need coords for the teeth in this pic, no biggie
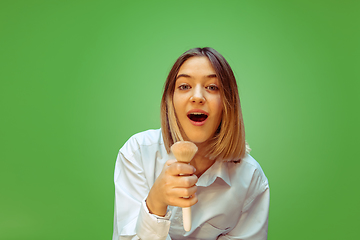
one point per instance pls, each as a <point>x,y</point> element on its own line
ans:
<point>195,113</point>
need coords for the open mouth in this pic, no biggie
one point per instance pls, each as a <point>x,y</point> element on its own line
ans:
<point>197,117</point>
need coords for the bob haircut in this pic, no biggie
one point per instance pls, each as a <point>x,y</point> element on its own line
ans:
<point>228,142</point>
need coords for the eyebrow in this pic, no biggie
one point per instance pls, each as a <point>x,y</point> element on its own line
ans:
<point>188,76</point>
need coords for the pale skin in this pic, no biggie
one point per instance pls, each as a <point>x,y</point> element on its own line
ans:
<point>196,89</point>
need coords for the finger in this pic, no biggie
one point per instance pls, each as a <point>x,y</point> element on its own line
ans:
<point>169,162</point>
<point>185,181</point>
<point>189,192</point>
<point>186,202</point>
<point>180,169</point>
<point>184,192</point>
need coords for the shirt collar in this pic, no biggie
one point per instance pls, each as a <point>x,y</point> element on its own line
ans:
<point>218,170</point>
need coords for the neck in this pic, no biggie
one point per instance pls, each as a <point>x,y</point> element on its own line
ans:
<point>200,162</point>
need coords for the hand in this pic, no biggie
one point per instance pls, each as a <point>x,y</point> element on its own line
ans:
<point>172,189</point>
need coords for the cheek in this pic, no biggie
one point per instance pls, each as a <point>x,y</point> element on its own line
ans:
<point>219,112</point>
<point>177,103</point>
<point>219,106</point>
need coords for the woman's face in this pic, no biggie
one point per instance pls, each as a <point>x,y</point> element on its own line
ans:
<point>197,101</point>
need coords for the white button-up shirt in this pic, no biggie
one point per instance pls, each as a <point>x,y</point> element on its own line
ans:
<point>233,197</point>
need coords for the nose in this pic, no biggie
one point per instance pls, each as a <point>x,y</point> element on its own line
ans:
<point>197,96</point>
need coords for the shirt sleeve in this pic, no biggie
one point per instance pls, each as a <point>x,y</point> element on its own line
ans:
<point>253,223</point>
<point>132,219</point>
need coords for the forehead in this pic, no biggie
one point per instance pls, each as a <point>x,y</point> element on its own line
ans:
<point>198,65</point>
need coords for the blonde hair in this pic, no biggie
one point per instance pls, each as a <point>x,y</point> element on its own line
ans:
<point>228,142</point>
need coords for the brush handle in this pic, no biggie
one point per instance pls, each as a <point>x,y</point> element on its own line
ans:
<point>187,218</point>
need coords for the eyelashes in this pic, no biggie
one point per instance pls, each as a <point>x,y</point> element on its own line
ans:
<point>185,86</point>
<point>212,87</point>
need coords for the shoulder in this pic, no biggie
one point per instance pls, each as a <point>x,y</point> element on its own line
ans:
<point>250,161</point>
<point>257,172</point>
<point>146,139</point>
<point>249,174</point>
<point>247,166</point>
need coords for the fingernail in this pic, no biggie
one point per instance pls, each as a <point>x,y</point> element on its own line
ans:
<point>194,169</point>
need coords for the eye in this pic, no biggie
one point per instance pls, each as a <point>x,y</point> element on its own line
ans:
<point>184,86</point>
<point>212,87</point>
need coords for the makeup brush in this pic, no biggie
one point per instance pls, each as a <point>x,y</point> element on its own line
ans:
<point>184,151</point>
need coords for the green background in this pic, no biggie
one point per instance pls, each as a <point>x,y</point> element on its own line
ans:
<point>78,78</point>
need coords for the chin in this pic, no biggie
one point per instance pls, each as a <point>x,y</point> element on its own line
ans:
<point>197,138</point>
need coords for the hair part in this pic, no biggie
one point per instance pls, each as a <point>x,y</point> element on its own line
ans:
<point>228,142</point>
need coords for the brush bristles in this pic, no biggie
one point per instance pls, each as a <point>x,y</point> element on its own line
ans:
<point>184,151</point>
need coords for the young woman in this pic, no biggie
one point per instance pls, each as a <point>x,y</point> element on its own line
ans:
<point>225,187</point>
